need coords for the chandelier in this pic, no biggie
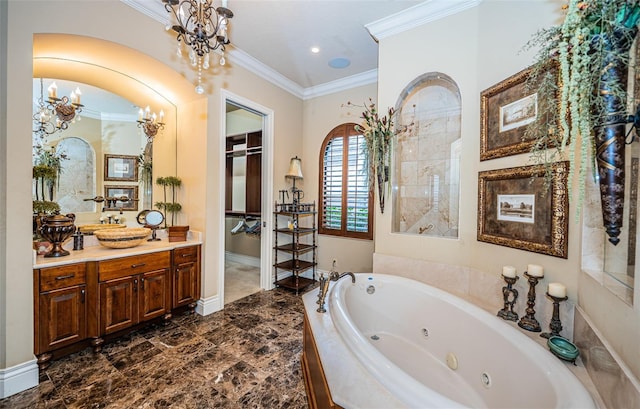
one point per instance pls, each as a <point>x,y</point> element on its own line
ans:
<point>55,113</point>
<point>150,122</point>
<point>202,27</point>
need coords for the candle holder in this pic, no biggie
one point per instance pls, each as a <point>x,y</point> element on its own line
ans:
<point>510,296</point>
<point>555,324</point>
<point>529,321</point>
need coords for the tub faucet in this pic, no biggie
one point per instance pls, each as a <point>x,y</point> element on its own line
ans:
<point>324,285</point>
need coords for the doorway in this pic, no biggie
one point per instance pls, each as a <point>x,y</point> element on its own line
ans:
<point>247,149</point>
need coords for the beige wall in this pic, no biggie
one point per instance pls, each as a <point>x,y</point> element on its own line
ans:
<point>4,232</point>
<point>199,119</point>
<point>321,115</point>
<point>478,48</point>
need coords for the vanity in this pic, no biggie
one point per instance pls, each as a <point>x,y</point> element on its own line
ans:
<point>97,294</point>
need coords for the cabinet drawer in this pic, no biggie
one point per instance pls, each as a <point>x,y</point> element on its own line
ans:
<point>54,278</point>
<point>126,266</point>
<point>185,255</point>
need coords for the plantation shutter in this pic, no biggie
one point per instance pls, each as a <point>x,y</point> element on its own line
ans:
<point>344,185</point>
<point>332,185</point>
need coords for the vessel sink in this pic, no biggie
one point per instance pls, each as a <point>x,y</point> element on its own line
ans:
<point>122,238</point>
<point>91,228</point>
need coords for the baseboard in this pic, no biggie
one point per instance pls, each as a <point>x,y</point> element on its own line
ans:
<point>242,259</point>
<point>18,378</point>
<point>206,306</point>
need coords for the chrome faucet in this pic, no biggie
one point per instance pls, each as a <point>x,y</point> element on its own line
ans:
<point>324,285</point>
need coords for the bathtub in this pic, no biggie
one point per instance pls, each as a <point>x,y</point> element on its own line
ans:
<point>421,347</point>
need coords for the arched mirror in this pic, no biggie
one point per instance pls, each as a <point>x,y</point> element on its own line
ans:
<point>103,152</point>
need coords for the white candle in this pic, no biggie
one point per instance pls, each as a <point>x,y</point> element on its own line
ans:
<point>140,115</point>
<point>161,115</point>
<point>78,95</point>
<point>53,90</point>
<point>557,290</point>
<point>147,112</point>
<point>74,98</point>
<point>535,270</point>
<point>509,271</point>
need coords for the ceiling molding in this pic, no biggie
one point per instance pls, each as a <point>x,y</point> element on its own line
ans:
<point>357,80</point>
<point>150,9</point>
<point>430,10</point>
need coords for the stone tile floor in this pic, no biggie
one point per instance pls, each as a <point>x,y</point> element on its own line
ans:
<point>245,356</point>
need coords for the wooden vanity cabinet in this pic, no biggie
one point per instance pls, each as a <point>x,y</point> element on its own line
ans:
<point>186,276</point>
<point>60,314</point>
<point>133,290</point>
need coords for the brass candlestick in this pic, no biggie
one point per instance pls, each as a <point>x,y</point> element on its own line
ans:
<point>510,296</point>
<point>529,321</point>
<point>555,324</point>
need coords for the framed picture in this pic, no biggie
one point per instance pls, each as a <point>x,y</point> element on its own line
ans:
<point>505,111</point>
<point>131,192</point>
<point>120,168</point>
<point>519,208</point>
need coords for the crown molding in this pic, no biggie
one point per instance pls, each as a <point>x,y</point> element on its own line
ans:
<point>342,84</point>
<point>430,10</point>
<point>150,8</point>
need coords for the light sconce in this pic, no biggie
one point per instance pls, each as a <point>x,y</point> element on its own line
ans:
<point>295,173</point>
<point>150,122</point>
<point>202,27</point>
<point>55,113</point>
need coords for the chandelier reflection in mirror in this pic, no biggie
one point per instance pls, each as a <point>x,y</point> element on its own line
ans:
<point>202,27</point>
<point>150,122</point>
<point>55,113</point>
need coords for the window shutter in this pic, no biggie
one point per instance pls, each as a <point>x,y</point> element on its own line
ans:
<point>357,187</point>
<point>332,185</point>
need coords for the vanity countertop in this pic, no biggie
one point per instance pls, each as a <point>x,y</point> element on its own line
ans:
<point>93,251</point>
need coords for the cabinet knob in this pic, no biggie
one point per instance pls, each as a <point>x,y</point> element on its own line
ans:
<point>82,292</point>
<point>142,283</point>
<point>135,285</point>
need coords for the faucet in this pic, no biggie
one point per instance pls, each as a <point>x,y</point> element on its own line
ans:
<point>324,285</point>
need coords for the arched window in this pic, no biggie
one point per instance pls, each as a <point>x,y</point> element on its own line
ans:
<point>345,197</point>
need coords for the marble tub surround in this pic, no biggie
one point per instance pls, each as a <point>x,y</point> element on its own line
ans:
<point>245,356</point>
<point>613,380</point>
<point>478,287</point>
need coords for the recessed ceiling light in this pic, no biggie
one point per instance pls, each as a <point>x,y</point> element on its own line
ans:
<point>339,62</point>
<point>315,50</point>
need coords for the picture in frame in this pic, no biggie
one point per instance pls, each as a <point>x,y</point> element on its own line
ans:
<point>505,111</point>
<point>131,192</point>
<point>518,208</point>
<point>120,168</point>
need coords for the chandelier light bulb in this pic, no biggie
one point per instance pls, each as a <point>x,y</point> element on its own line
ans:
<point>199,89</point>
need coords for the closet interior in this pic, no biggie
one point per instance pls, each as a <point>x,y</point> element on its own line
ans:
<point>243,200</point>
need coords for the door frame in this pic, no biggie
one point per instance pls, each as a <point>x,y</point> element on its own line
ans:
<point>266,207</point>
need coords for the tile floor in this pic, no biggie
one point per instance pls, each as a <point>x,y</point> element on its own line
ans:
<point>240,280</point>
<point>245,356</point>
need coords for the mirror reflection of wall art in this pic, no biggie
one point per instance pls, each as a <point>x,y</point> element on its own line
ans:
<point>131,192</point>
<point>505,111</point>
<point>122,168</point>
<point>517,208</point>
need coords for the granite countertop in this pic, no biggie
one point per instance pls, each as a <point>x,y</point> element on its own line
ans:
<point>93,251</point>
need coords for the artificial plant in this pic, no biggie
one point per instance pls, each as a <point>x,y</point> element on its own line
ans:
<point>582,66</point>
<point>173,207</point>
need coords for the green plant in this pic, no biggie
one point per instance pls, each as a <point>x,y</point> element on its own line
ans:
<point>579,84</point>
<point>173,207</point>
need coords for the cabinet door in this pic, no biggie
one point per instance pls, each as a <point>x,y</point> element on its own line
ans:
<point>62,318</point>
<point>154,298</point>
<point>118,304</point>
<point>185,286</point>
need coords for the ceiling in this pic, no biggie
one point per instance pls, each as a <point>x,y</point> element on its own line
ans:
<point>276,36</point>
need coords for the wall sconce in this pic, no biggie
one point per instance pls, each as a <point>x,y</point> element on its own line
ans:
<point>295,173</point>
<point>62,110</point>
<point>150,122</point>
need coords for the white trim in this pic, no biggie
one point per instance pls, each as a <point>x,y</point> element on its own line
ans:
<point>18,378</point>
<point>242,258</point>
<point>357,80</point>
<point>420,14</point>
<point>266,208</point>
<point>206,306</point>
<point>150,9</point>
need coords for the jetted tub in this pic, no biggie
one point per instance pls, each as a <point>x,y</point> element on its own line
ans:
<point>430,349</point>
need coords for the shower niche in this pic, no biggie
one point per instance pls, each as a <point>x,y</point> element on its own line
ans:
<point>426,179</point>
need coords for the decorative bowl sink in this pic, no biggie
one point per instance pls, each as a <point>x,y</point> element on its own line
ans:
<point>122,238</point>
<point>91,228</point>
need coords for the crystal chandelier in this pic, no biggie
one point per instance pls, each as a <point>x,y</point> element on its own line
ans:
<point>55,113</point>
<point>150,122</point>
<point>202,27</point>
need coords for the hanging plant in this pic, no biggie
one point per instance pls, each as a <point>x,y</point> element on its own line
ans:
<point>378,132</point>
<point>583,109</point>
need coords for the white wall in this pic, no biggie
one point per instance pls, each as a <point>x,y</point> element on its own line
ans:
<point>478,48</point>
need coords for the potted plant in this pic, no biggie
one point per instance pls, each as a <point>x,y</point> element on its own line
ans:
<point>583,65</point>
<point>176,233</point>
<point>46,173</point>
